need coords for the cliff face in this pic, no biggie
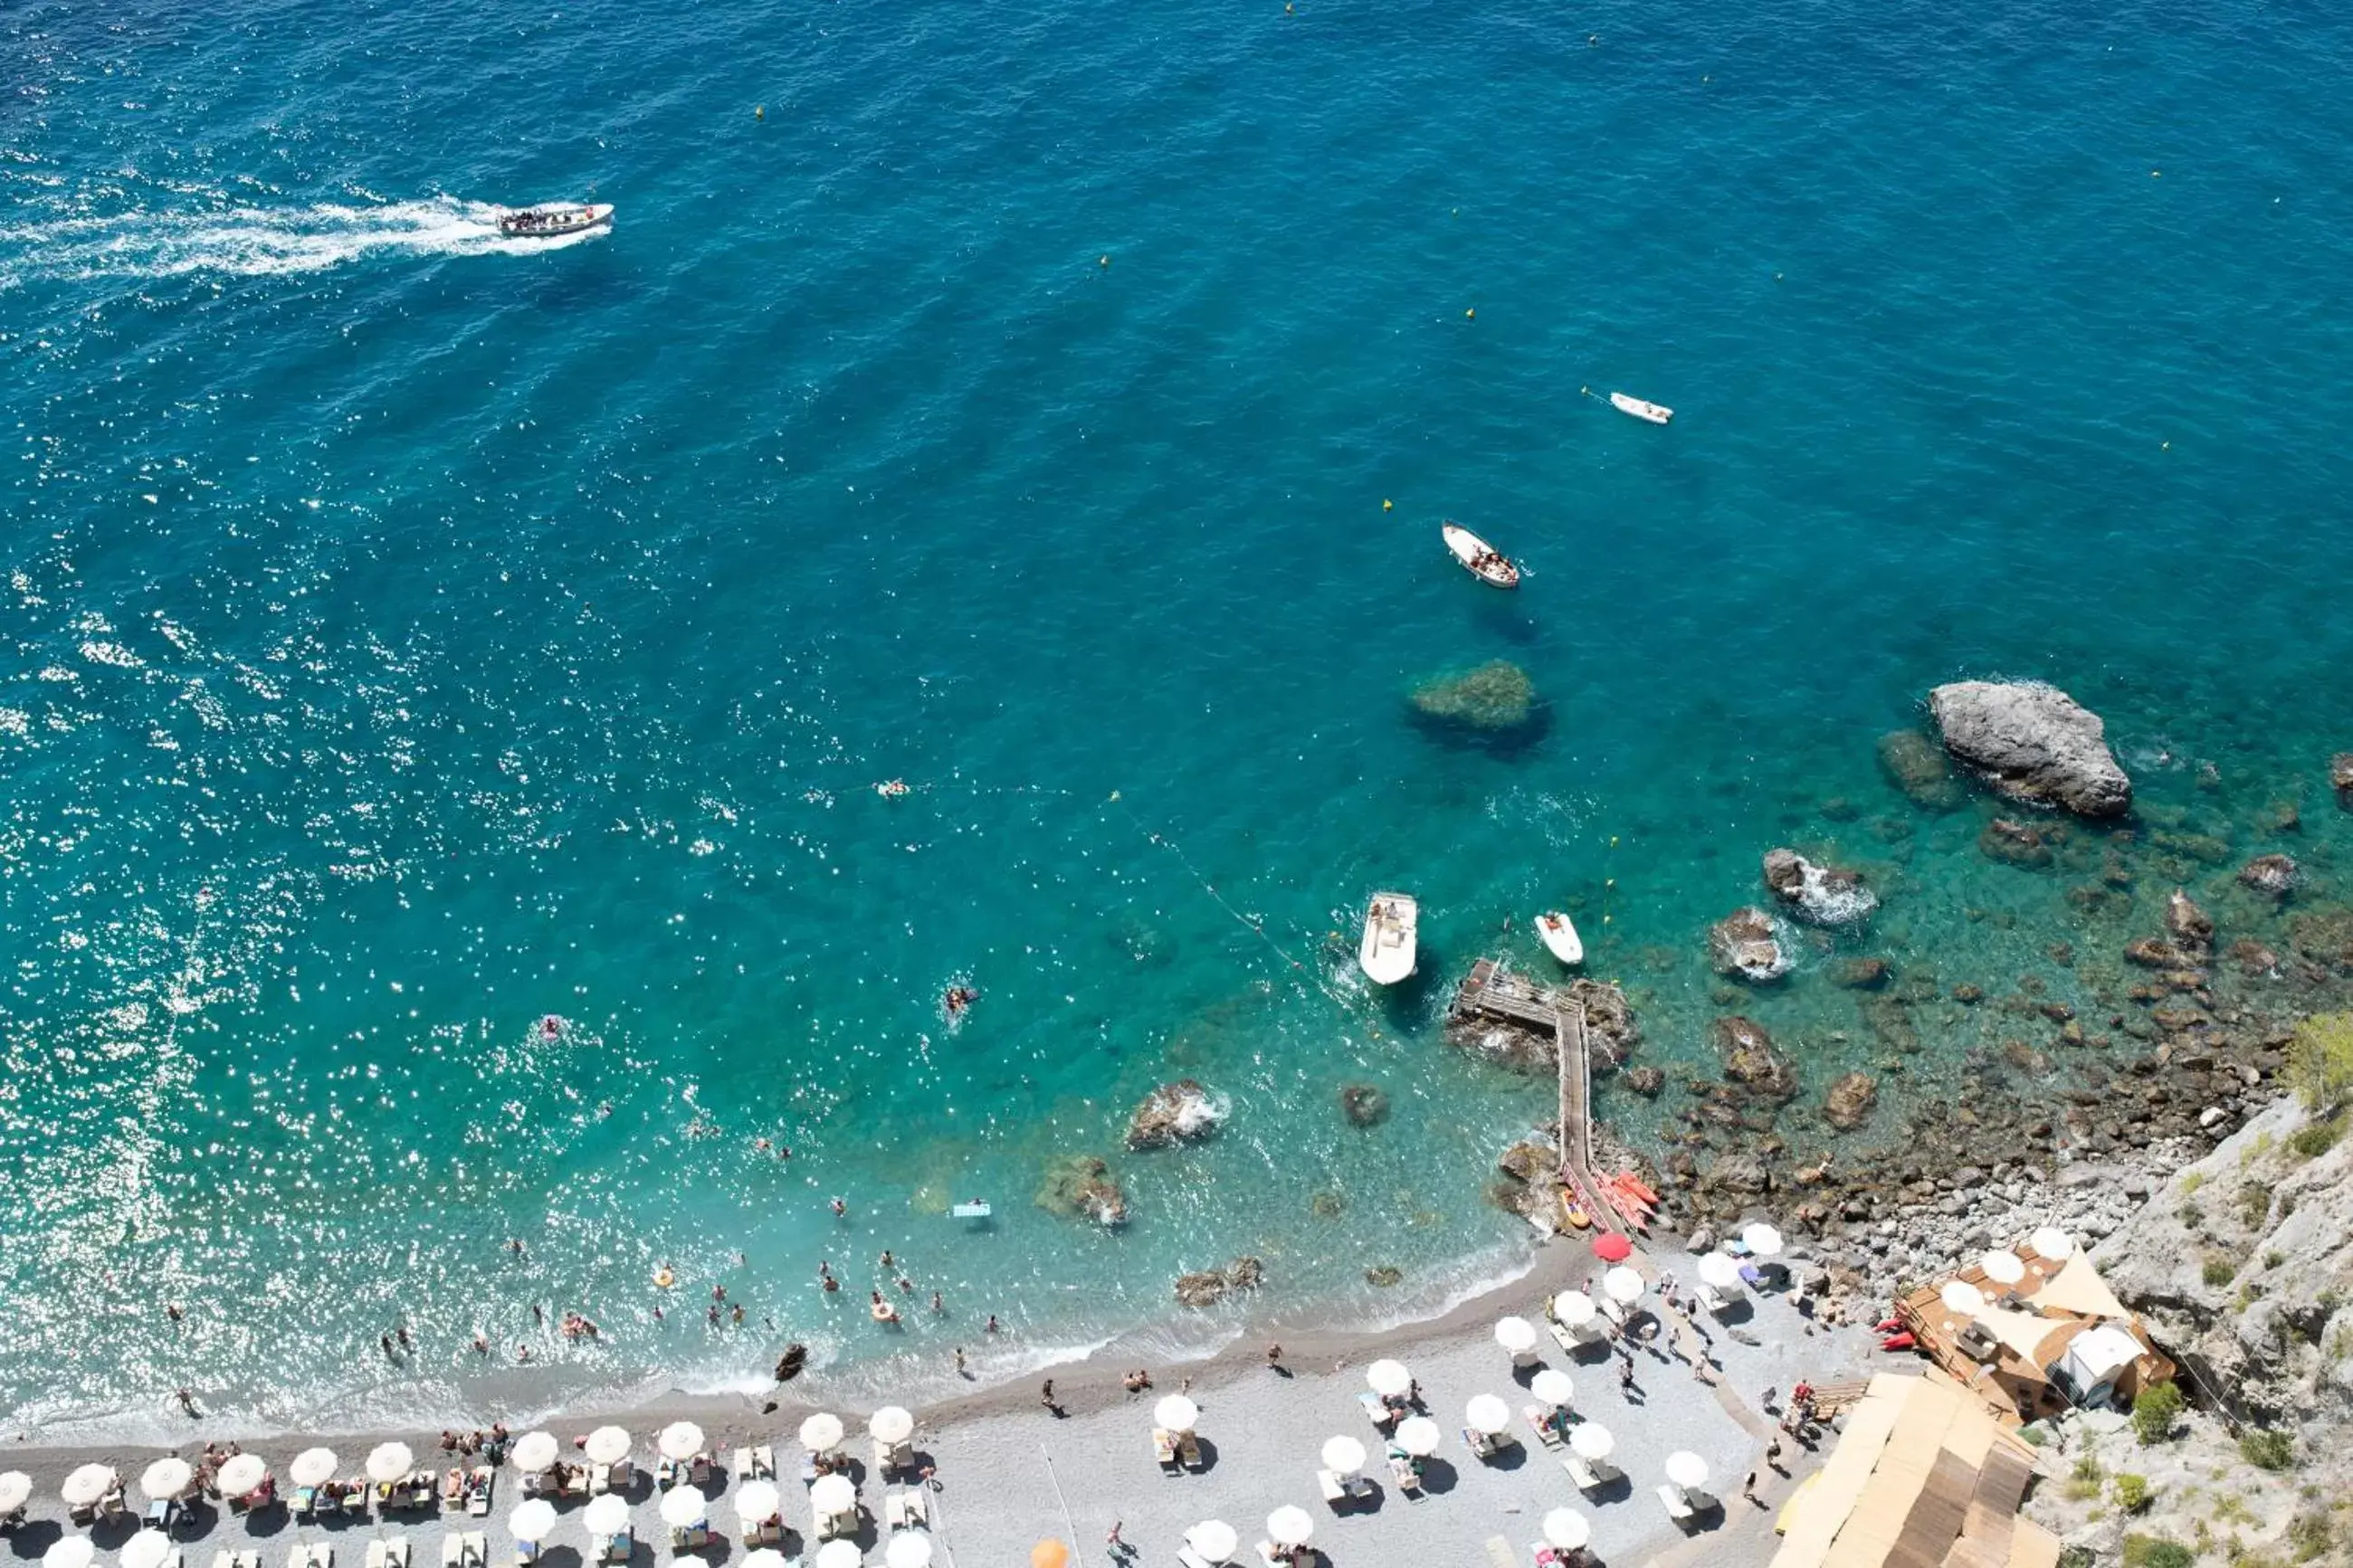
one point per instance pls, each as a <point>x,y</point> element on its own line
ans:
<point>2242,1266</point>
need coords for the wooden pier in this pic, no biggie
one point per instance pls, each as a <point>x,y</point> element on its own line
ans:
<point>1492,990</point>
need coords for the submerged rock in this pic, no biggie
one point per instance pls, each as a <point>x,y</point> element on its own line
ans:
<point>2340,778</point>
<point>1497,696</point>
<point>1745,943</point>
<point>2155,952</point>
<point>1752,1061</point>
<point>1861,973</point>
<point>1081,1187</point>
<point>1174,1113</point>
<point>2275,874</point>
<point>1610,1032</point>
<point>1364,1104</point>
<point>1917,765</point>
<point>2032,742</point>
<point>1646,1081</point>
<point>1819,894</point>
<point>1847,1104</point>
<point>2190,926</point>
<point>2013,844</point>
<point>1381,1276</point>
<point>1208,1287</point>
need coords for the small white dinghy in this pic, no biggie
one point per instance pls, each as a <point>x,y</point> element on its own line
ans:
<point>1479,558</point>
<point>1387,950</point>
<point>1559,935</point>
<point>1656,412</point>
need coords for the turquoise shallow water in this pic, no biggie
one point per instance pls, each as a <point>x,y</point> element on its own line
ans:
<point>413,635</point>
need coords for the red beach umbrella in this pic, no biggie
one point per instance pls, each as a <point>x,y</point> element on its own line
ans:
<point>1612,1248</point>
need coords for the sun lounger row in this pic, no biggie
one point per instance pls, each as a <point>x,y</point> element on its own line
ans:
<point>755,1463</point>
<point>695,1472</point>
<point>906,1509</point>
<point>1176,1451</point>
<point>389,1553</point>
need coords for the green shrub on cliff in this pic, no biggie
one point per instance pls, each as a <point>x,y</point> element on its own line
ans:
<point>2156,1552</point>
<point>2132,1492</point>
<point>2320,1060</point>
<point>2267,1449</point>
<point>2153,1411</point>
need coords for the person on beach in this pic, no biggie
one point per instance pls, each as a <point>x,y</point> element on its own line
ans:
<point>187,1399</point>
<point>938,1305</point>
<point>482,1344</point>
<point>1113,1542</point>
<point>522,1355</point>
<point>1046,1397</point>
<point>959,1363</point>
<point>1748,1490</point>
<point>991,1327</point>
<point>1625,1375</point>
<point>171,1310</point>
<point>885,1261</point>
<point>841,1209</point>
<point>1772,1454</point>
<point>385,1342</point>
<point>1274,1358</point>
<point>400,1333</point>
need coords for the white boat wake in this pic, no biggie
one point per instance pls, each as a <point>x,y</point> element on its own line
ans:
<point>246,242</point>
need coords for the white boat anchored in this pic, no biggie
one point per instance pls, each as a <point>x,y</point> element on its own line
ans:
<point>1656,412</point>
<point>1478,557</point>
<point>545,223</point>
<point>1559,933</point>
<point>1387,950</point>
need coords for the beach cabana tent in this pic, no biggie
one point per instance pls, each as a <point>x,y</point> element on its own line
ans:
<point>1176,1413</point>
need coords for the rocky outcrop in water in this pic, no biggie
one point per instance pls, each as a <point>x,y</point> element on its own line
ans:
<point>1847,1104</point>
<point>1495,696</point>
<point>1208,1287</point>
<point>1917,765</point>
<point>1752,1061</point>
<point>2032,742</point>
<point>1746,944</point>
<point>1174,1113</point>
<point>1081,1187</point>
<point>2191,928</point>
<point>1364,1104</point>
<point>1818,894</point>
<point>2243,1265</point>
<point>2014,844</point>
<point>2275,876</point>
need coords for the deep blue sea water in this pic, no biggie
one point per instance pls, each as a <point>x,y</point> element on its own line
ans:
<point>413,635</point>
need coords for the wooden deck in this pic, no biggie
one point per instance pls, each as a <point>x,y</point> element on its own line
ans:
<point>1492,990</point>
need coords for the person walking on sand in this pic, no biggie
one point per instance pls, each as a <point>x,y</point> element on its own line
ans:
<point>1120,1550</point>
<point>1772,1454</point>
<point>1274,1358</point>
<point>1748,1490</point>
<point>1046,1398</point>
<point>959,1362</point>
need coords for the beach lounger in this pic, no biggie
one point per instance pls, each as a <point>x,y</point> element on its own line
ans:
<point>1188,1449</point>
<point>1547,1433</point>
<point>1709,1296</point>
<point>684,1537</point>
<point>1563,1338</point>
<point>1499,1554</point>
<point>1266,1555</point>
<point>479,1487</point>
<point>763,1462</point>
<point>665,1474</point>
<point>618,1547</point>
<point>379,1554</point>
<point>453,1551</point>
<point>1334,1492</point>
<point>1584,1475</point>
<point>314,1555</point>
<point>1408,1478</point>
<point>1163,1447</point>
<point>1672,1497</point>
<point>1377,1410</point>
<point>594,1482</point>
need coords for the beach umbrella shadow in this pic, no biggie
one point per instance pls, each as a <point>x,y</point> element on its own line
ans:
<point>1515,1456</point>
<point>262,1526</point>
<point>1437,1476</point>
<point>33,1541</point>
<point>1209,1454</point>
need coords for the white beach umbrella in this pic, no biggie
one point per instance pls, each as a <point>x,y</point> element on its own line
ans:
<point>606,1514</point>
<point>1719,1271</point>
<point>1343,1454</point>
<point>821,1433</point>
<point>1686,1469</point>
<point>1487,1414</point>
<point>1176,1413</point>
<point>1960,1295</point>
<point>1418,1435</point>
<point>16,1490</point>
<point>758,1500</point>
<point>839,1552</point>
<point>1762,1240</point>
<point>87,1484</point>
<point>1574,1309</point>
<point>242,1475</point>
<point>829,1495</point>
<point>764,1557</point>
<point>532,1519</point>
<point>1214,1540</point>
<point>1517,1335</point>
<point>145,1550</point>
<point>167,1477</point>
<point>683,1505</point>
<point>1553,1386</point>
<point>680,1440</point>
<point>606,1445</point>
<point>313,1467</point>
<point>69,1551</point>
<point>534,1452</point>
<point>1623,1285</point>
<point>1290,1526</point>
<point>892,1424</point>
<point>1592,1440</point>
<point>908,1549</point>
<point>2052,1243</point>
<point>1389,1379</point>
<point>1566,1528</point>
<point>388,1462</point>
<point>2003,1268</point>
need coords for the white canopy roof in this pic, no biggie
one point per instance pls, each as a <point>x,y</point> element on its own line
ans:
<point>680,1440</point>
<point>892,1424</point>
<point>1290,1526</point>
<point>1418,1435</point>
<point>1553,1386</point>
<point>1516,1334</point>
<point>1343,1454</point>
<point>607,1514</point>
<point>606,1445</point>
<point>1176,1413</point>
<point>1214,1539</point>
<point>312,1467</point>
<point>821,1433</point>
<point>684,1505</point>
<point>1390,1378</point>
<point>1487,1414</point>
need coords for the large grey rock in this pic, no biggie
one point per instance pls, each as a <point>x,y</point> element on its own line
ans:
<point>2032,742</point>
<point>1821,894</point>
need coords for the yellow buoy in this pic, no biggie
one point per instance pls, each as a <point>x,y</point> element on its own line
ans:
<point>1387,505</point>
<point>759,112</point>
<point>664,1279</point>
<point>1469,315</point>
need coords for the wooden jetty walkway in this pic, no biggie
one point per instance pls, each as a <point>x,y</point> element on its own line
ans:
<point>1492,990</point>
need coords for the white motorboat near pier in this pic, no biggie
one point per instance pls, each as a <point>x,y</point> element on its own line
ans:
<point>1388,952</point>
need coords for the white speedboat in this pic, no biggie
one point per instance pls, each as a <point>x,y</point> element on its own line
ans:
<point>1559,935</point>
<point>1478,557</point>
<point>1657,414</point>
<point>543,223</point>
<point>1387,950</point>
